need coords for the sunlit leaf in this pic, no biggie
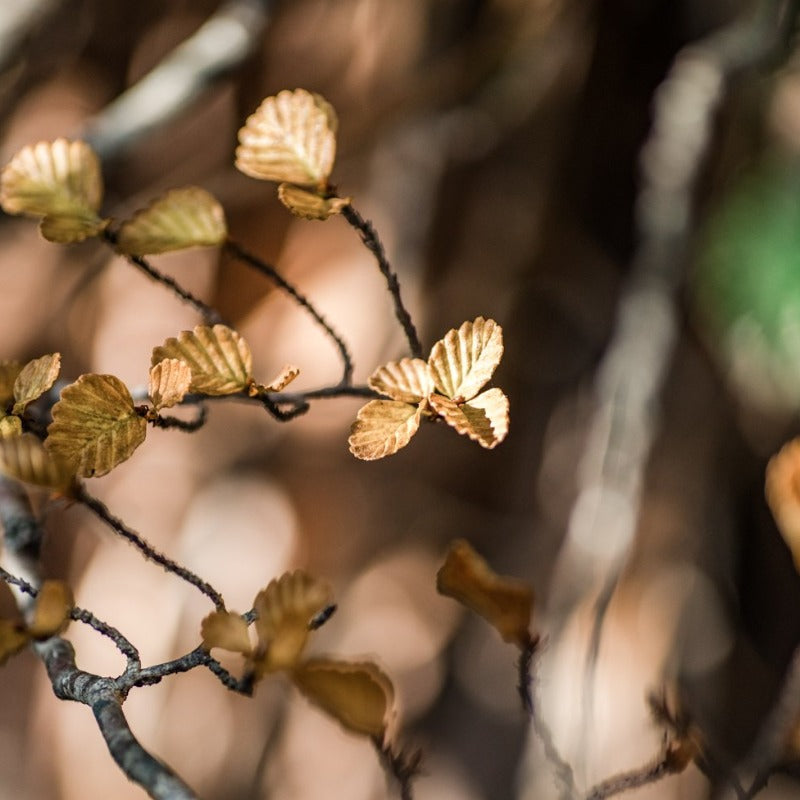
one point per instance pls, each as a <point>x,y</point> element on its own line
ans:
<point>285,610</point>
<point>13,638</point>
<point>95,425</point>
<point>408,380</point>
<point>782,490</point>
<point>358,695</point>
<point>290,137</point>
<point>279,382</point>
<point>484,418</point>
<point>383,427</point>
<point>310,205</point>
<point>67,229</point>
<point>464,360</point>
<point>24,458</point>
<point>219,358</point>
<point>8,375</point>
<point>169,382</point>
<point>188,217</point>
<point>51,610</point>
<point>35,378</point>
<point>506,603</point>
<point>226,630</point>
<point>10,426</point>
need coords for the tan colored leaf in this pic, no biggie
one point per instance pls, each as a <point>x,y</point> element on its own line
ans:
<point>35,378</point>
<point>310,205</point>
<point>219,358</point>
<point>169,382</point>
<point>24,458</point>
<point>65,229</point>
<point>188,217</point>
<point>95,425</point>
<point>226,630</point>
<point>464,360</point>
<point>285,610</point>
<point>383,427</point>
<point>506,603</point>
<point>13,638</point>
<point>408,380</point>
<point>291,137</point>
<point>279,382</point>
<point>8,375</point>
<point>484,418</point>
<point>10,426</point>
<point>358,695</point>
<point>782,490</point>
<point>51,610</point>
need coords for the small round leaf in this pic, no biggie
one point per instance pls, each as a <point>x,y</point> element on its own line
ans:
<point>310,205</point>
<point>24,458</point>
<point>226,630</point>
<point>484,418</point>
<point>408,380</point>
<point>383,427</point>
<point>169,382</point>
<point>35,378</point>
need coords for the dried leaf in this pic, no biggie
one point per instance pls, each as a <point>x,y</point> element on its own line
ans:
<point>35,378</point>
<point>290,137</point>
<point>408,380</point>
<point>484,418</point>
<point>310,205</point>
<point>188,217</point>
<point>13,638</point>
<point>95,425</point>
<point>8,375</point>
<point>782,490</point>
<point>218,357</point>
<point>226,630</point>
<point>464,360</point>
<point>24,458</point>
<point>358,695</point>
<point>169,382</point>
<point>285,609</point>
<point>10,426</point>
<point>51,611</point>
<point>279,382</point>
<point>507,603</point>
<point>68,229</point>
<point>383,427</point>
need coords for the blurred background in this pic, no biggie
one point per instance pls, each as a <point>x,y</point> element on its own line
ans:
<point>494,144</point>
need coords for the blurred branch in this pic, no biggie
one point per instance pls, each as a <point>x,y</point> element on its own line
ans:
<point>18,19</point>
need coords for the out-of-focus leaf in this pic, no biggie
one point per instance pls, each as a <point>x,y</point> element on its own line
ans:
<point>279,382</point>
<point>95,426</point>
<point>169,382</point>
<point>219,358</point>
<point>782,490</point>
<point>506,603</point>
<point>291,137</point>
<point>358,695</point>
<point>464,360</point>
<point>13,638</point>
<point>383,427</point>
<point>35,378</point>
<point>8,375</point>
<point>226,630</point>
<point>310,205</point>
<point>65,230</point>
<point>484,418</point>
<point>187,217</point>
<point>24,458</point>
<point>51,610</point>
<point>10,426</point>
<point>408,380</point>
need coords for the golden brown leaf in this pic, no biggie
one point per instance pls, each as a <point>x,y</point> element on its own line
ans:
<point>34,379</point>
<point>383,427</point>
<point>358,695</point>
<point>408,380</point>
<point>169,382</point>
<point>464,360</point>
<point>95,425</point>
<point>24,458</point>
<point>10,426</point>
<point>484,418</point>
<point>226,630</point>
<point>310,205</point>
<point>219,358</point>
<point>51,610</point>
<point>8,375</point>
<point>279,382</point>
<point>187,217</point>
<point>13,638</point>
<point>506,603</point>
<point>782,490</point>
<point>291,137</point>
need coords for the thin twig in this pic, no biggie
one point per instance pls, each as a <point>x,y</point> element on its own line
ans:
<point>524,677</point>
<point>185,425</point>
<point>634,779</point>
<point>403,765</point>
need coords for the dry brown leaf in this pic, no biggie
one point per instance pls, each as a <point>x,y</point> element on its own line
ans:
<point>187,217</point>
<point>310,205</point>
<point>95,425</point>
<point>782,490</point>
<point>51,610</point>
<point>219,358</point>
<point>34,379</point>
<point>226,630</point>
<point>358,695</point>
<point>407,381</point>
<point>291,137</point>
<point>279,382</point>
<point>8,375</point>
<point>169,382</point>
<point>10,426</point>
<point>13,638</point>
<point>464,360</point>
<point>506,603</point>
<point>484,418</point>
<point>383,427</point>
<point>24,458</point>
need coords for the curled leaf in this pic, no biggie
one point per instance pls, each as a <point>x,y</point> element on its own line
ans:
<point>226,630</point>
<point>358,695</point>
<point>10,426</point>
<point>407,381</point>
<point>506,603</point>
<point>290,137</point>
<point>51,610</point>
<point>95,425</point>
<point>310,205</point>
<point>782,490</point>
<point>383,427</point>
<point>484,418</point>
<point>279,382</point>
<point>187,217</point>
<point>24,458</point>
<point>34,379</point>
<point>169,382</point>
<point>219,359</point>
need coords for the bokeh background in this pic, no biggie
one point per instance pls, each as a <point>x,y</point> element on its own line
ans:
<point>494,145</point>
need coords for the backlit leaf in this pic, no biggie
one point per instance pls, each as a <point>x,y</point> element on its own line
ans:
<point>279,382</point>
<point>13,638</point>
<point>782,490</point>
<point>290,137</point>
<point>188,217</point>
<point>25,458</point>
<point>506,603</point>
<point>408,380</point>
<point>226,630</point>
<point>51,610</point>
<point>383,427</point>
<point>310,205</point>
<point>484,418</point>
<point>219,358</point>
<point>95,425</point>
<point>10,426</point>
<point>66,229</point>
<point>169,382</point>
<point>358,695</point>
<point>35,378</point>
<point>8,375</point>
<point>464,360</point>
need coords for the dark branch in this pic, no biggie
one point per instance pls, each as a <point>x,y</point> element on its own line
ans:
<point>403,766</point>
<point>185,425</point>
